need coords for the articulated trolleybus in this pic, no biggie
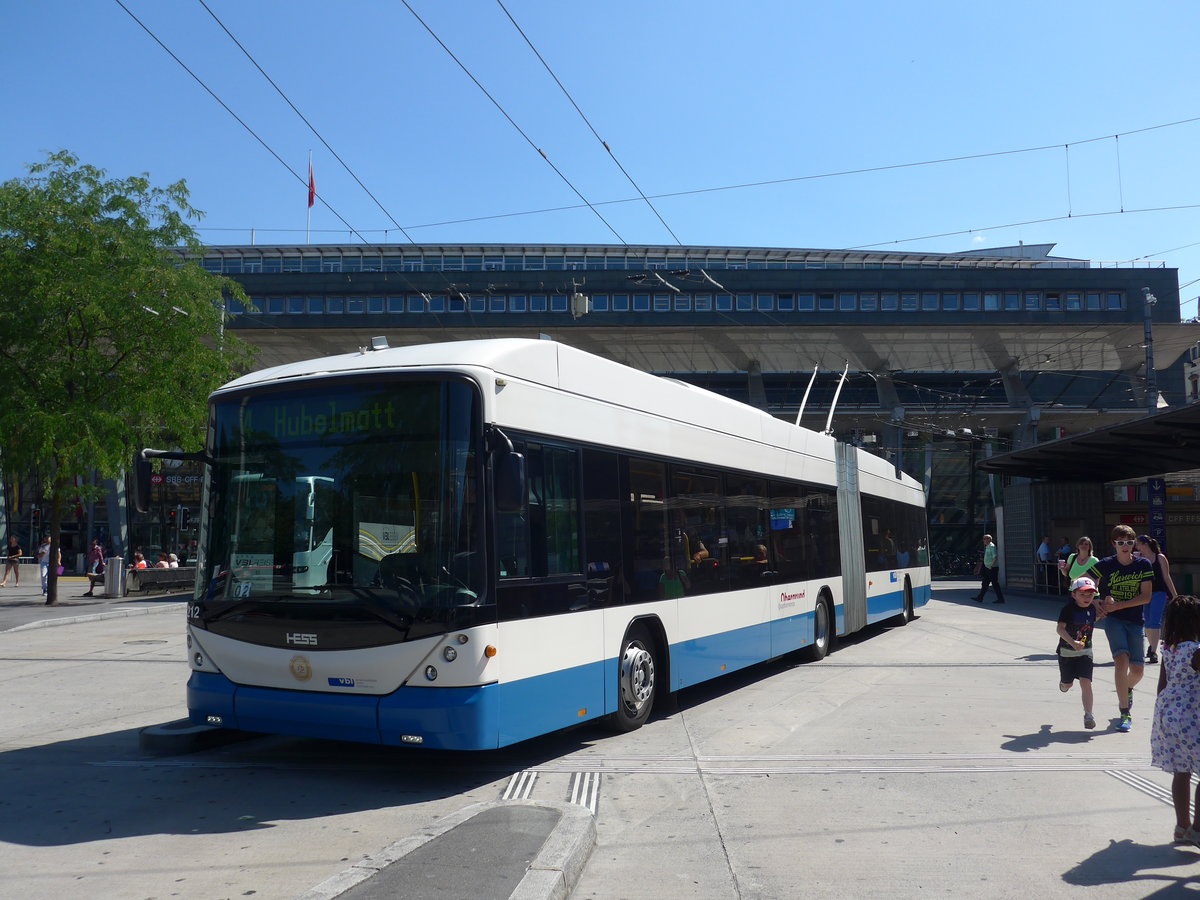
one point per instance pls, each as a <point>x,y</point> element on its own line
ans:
<point>517,536</point>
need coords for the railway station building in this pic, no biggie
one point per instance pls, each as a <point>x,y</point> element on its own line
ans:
<point>949,359</point>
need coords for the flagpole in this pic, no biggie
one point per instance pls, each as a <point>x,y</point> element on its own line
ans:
<point>308,226</point>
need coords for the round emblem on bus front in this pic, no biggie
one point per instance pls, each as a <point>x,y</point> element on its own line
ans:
<point>301,670</point>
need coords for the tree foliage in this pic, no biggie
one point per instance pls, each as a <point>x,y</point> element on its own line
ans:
<point>110,338</point>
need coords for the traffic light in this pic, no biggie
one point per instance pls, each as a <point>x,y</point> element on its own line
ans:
<point>185,516</point>
<point>171,518</point>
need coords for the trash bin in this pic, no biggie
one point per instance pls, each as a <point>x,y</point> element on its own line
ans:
<point>114,577</point>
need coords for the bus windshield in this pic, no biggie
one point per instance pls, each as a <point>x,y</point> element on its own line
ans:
<point>348,493</point>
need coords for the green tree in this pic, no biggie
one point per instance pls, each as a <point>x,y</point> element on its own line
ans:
<point>111,338</point>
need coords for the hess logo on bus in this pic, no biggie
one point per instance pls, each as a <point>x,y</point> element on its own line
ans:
<point>302,640</point>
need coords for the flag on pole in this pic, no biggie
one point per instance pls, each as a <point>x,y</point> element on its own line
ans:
<point>312,186</point>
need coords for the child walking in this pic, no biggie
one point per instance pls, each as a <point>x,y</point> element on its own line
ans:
<point>1075,625</point>
<point>1175,733</point>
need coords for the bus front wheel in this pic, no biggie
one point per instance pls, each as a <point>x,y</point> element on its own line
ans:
<point>636,680</point>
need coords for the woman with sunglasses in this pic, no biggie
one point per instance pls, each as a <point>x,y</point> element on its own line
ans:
<point>1162,590</point>
<point>1125,583</point>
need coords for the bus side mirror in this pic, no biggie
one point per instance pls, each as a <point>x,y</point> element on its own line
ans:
<point>141,482</point>
<point>510,481</point>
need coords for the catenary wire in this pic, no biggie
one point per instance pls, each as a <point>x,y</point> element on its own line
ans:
<point>513,123</point>
<point>587,122</point>
<point>236,117</point>
<point>304,119</point>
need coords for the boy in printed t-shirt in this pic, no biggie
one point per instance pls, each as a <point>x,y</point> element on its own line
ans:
<point>1075,625</point>
<point>1125,585</point>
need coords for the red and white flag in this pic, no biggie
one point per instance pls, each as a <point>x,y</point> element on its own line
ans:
<point>312,186</point>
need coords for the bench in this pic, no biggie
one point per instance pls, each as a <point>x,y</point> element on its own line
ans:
<point>144,580</point>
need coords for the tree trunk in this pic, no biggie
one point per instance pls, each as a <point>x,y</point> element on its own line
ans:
<point>56,508</point>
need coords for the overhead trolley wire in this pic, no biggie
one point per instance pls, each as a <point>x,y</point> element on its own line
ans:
<point>303,119</point>
<point>587,122</point>
<point>513,123</point>
<point>237,118</point>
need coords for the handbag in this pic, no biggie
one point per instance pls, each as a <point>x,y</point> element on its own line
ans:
<point>60,570</point>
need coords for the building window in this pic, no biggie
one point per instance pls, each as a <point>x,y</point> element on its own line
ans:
<point>1053,301</point>
<point>599,302</point>
<point>868,301</point>
<point>951,301</point>
<point>703,302</point>
<point>437,304</point>
<point>724,302</point>
<point>416,303</point>
<point>537,303</point>
<point>662,302</point>
<point>1074,300</point>
<point>971,301</point>
<point>683,303</point>
<point>395,305</point>
<point>335,305</point>
<point>847,301</point>
<point>620,303</point>
<point>1116,301</point>
<point>991,302</point>
<point>806,302</point>
<point>558,303</point>
<point>518,303</point>
<point>275,305</point>
<point>477,303</point>
<point>766,302</point>
<point>825,302</point>
<point>496,303</point>
<point>908,301</point>
<point>787,303</point>
<point>929,301</point>
<point>1033,300</point>
<point>355,305</point>
<point>889,301</point>
<point>1093,300</point>
<point>641,302</point>
<point>316,305</point>
<point>456,304</point>
<point>295,305</point>
<point>374,304</point>
<point>745,302</point>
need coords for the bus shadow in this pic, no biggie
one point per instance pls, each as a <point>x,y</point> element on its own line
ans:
<point>103,788</point>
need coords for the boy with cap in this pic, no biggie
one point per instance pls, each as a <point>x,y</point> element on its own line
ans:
<point>1075,625</point>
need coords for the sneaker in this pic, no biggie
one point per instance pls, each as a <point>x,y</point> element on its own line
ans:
<point>1064,687</point>
<point>1089,721</point>
<point>1126,724</point>
<point>1152,657</point>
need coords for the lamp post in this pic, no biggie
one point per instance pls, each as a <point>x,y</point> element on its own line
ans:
<point>1148,328</point>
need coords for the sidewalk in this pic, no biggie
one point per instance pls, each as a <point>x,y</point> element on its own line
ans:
<point>24,605</point>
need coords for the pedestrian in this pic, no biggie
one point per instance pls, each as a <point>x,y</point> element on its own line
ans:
<point>1125,582</point>
<point>989,570</point>
<point>1175,732</point>
<point>1064,549</point>
<point>43,561</point>
<point>1076,622</point>
<point>172,561</point>
<point>12,561</point>
<point>1044,553</point>
<point>1081,562</point>
<point>1161,590</point>
<point>95,558</point>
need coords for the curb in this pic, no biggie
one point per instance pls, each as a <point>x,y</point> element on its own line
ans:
<point>552,875</point>
<point>92,617</point>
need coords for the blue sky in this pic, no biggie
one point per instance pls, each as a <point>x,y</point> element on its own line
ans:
<point>690,97</point>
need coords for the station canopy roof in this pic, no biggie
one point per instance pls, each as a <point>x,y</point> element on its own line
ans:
<point>1157,444</point>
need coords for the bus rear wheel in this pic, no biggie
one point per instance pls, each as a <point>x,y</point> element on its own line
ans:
<point>822,632</point>
<point>636,680</point>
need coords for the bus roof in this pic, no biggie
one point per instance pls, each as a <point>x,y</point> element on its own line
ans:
<point>567,368</point>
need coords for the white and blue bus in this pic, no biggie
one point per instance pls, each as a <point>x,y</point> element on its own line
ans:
<point>518,536</point>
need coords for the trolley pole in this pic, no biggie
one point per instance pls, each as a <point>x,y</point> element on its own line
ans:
<point>1148,328</point>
